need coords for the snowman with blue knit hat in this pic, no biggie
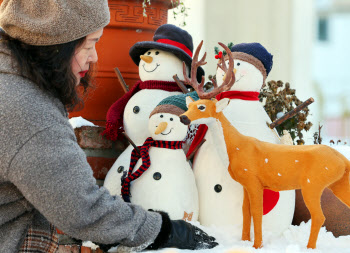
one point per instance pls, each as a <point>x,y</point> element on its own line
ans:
<point>160,177</point>
<point>218,206</point>
<point>158,61</point>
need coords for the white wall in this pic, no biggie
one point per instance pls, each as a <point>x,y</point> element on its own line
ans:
<point>284,27</point>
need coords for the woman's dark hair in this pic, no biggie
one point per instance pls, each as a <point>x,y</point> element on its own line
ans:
<point>50,68</point>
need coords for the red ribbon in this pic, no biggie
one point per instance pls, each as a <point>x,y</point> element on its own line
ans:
<point>176,44</point>
<point>244,95</point>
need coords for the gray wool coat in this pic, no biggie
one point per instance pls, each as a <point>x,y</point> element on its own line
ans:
<point>45,177</point>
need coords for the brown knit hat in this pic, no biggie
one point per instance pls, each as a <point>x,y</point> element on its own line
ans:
<point>250,59</point>
<point>51,22</point>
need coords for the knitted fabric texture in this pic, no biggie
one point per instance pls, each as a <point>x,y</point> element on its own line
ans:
<point>172,109</point>
<point>52,22</point>
<point>250,59</point>
<point>243,95</point>
<point>256,50</point>
<point>114,124</point>
<point>174,104</point>
<point>146,162</point>
<point>40,241</point>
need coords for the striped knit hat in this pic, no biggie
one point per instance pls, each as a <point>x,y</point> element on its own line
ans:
<point>174,104</point>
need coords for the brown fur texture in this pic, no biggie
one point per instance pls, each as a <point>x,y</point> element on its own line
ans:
<point>261,165</point>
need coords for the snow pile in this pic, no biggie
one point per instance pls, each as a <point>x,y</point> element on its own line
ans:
<point>77,122</point>
<point>293,240</point>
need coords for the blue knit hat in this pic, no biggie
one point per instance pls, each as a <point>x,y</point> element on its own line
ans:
<point>174,104</point>
<point>256,50</point>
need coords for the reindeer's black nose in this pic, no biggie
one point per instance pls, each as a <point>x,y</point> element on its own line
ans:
<point>184,120</point>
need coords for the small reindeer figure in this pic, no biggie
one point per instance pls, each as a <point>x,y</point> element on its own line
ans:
<point>260,165</point>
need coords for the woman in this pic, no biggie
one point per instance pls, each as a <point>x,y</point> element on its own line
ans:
<point>46,50</point>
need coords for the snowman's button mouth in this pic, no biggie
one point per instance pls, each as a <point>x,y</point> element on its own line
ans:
<point>157,65</point>
<point>239,78</point>
<point>167,133</point>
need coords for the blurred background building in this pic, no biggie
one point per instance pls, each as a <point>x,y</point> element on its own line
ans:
<point>308,39</point>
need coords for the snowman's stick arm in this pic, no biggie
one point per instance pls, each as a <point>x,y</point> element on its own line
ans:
<point>291,113</point>
<point>132,143</point>
<point>121,80</point>
<point>180,84</point>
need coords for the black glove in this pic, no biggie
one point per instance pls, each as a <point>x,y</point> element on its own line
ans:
<point>182,235</point>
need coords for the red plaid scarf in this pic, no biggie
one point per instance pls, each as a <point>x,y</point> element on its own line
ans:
<point>42,241</point>
<point>146,162</point>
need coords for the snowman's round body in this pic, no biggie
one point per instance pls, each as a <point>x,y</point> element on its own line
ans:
<point>220,197</point>
<point>119,169</point>
<point>136,115</point>
<point>167,185</point>
<point>162,67</point>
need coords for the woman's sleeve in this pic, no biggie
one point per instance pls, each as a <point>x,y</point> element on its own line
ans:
<point>52,173</point>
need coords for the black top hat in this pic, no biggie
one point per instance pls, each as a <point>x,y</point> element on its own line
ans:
<point>168,38</point>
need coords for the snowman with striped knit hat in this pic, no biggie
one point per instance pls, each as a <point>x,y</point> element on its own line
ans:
<point>160,177</point>
<point>158,61</point>
<point>218,206</point>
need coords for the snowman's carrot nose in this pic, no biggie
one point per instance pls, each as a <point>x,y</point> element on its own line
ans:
<point>146,58</point>
<point>161,127</point>
<point>234,71</point>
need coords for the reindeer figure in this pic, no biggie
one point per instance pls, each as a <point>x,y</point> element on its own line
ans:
<point>258,165</point>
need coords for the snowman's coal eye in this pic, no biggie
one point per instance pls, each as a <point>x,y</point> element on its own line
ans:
<point>201,107</point>
<point>148,53</point>
<point>171,119</point>
<point>157,53</point>
<point>161,116</point>
<point>136,109</point>
<point>238,63</point>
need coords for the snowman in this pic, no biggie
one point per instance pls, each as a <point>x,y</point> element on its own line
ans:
<point>221,197</point>
<point>163,179</point>
<point>158,61</point>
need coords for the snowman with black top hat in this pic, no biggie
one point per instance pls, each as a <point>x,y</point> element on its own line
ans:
<point>220,197</point>
<point>158,61</point>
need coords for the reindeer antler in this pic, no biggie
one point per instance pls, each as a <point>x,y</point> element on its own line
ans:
<point>229,79</point>
<point>223,64</point>
<point>194,66</point>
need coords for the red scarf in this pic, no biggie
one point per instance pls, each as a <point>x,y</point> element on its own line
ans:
<point>146,161</point>
<point>114,124</point>
<point>244,95</point>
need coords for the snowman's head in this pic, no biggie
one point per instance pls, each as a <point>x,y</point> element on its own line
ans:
<point>248,76</point>
<point>166,127</point>
<point>170,47</point>
<point>156,64</point>
<point>253,63</point>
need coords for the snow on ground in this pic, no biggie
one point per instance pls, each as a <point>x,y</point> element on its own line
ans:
<point>77,122</point>
<point>293,240</point>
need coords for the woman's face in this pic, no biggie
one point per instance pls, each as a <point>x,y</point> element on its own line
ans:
<point>85,54</point>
